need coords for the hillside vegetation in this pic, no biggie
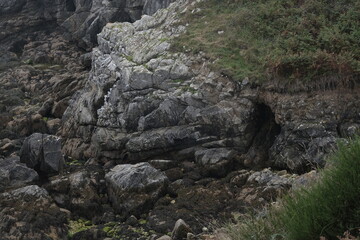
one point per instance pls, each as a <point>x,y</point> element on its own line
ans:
<point>328,209</point>
<point>307,41</point>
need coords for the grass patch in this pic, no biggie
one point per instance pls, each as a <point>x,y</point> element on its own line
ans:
<point>294,40</point>
<point>78,226</point>
<point>328,209</point>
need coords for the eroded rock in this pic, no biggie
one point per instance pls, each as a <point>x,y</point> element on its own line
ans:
<point>133,189</point>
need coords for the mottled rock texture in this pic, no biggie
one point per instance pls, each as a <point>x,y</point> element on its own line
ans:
<point>15,174</point>
<point>30,213</point>
<point>133,189</point>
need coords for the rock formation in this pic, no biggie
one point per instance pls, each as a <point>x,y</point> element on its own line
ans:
<point>149,135</point>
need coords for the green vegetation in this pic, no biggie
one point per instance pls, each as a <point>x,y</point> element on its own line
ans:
<point>308,41</point>
<point>78,226</point>
<point>328,208</point>
<point>74,162</point>
<point>112,229</point>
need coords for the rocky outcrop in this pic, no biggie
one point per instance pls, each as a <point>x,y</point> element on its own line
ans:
<point>133,189</point>
<point>311,124</point>
<point>81,20</point>
<point>144,102</point>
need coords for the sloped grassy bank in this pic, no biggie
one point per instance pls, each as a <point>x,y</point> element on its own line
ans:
<point>327,209</point>
<point>312,42</point>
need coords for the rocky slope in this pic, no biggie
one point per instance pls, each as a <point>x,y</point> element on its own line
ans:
<point>149,135</point>
<point>143,101</point>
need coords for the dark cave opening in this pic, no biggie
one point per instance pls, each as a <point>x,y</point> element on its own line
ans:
<point>267,131</point>
<point>70,6</point>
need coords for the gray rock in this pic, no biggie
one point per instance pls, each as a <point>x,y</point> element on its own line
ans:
<point>151,6</point>
<point>15,174</point>
<point>180,231</point>
<point>45,109</point>
<point>43,153</point>
<point>269,178</point>
<point>215,162</point>
<point>152,101</point>
<point>163,164</point>
<point>78,191</point>
<point>133,189</point>
<point>31,151</point>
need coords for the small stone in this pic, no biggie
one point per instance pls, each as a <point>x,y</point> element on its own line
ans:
<point>181,230</point>
<point>190,236</point>
<point>205,229</point>
<point>132,220</point>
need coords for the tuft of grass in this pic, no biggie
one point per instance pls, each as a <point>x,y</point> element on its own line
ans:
<point>327,209</point>
<point>264,40</point>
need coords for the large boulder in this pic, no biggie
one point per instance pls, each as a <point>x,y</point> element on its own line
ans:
<point>30,213</point>
<point>15,174</point>
<point>133,189</point>
<point>43,153</point>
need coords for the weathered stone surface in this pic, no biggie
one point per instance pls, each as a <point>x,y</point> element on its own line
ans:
<point>15,174</point>
<point>264,186</point>
<point>215,162</point>
<point>310,126</point>
<point>81,19</point>
<point>29,213</point>
<point>79,191</point>
<point>43,153</point>
<point>133,189</point>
